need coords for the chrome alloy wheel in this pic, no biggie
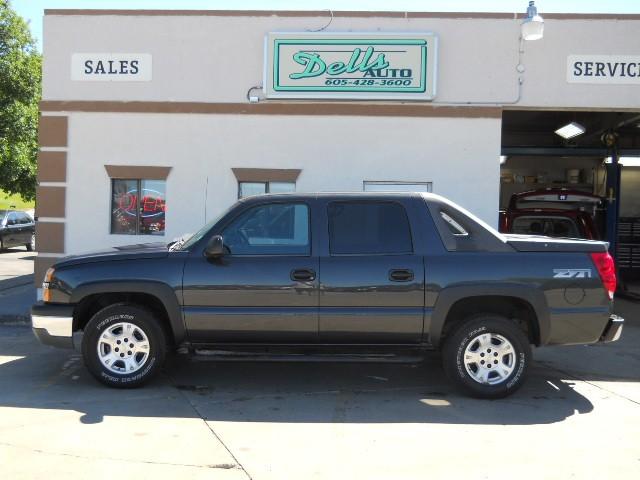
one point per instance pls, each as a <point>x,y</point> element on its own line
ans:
<point>123,348</point>
<point>489,358</point>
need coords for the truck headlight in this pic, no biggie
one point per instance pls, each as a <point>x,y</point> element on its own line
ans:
<point>48,277</point>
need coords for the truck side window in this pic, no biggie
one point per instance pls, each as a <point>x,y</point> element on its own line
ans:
<point>273,229</point>
<point>368,228</point>
<point>12,219</point>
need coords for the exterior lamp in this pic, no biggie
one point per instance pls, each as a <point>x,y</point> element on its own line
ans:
<point>532,27</point>
<point>570,130</point>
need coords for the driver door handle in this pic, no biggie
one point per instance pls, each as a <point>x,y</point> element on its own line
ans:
<point>401,275</point>
<point>303,275</point>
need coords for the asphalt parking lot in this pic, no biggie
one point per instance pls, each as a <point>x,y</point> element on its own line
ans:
<point>17,290</point>
<point>577,417</point>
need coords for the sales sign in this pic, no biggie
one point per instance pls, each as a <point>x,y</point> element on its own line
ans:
<point>351,66</point>
<point>111,67</point>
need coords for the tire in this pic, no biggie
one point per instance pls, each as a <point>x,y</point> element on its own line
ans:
<point>31,246</point>
<point>107,331</point>
<point>467,350</point>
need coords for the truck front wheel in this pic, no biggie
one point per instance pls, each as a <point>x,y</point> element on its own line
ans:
<point>123,345</point>
<point>487,356</point>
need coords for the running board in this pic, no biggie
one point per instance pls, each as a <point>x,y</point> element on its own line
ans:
<point>204,355</point>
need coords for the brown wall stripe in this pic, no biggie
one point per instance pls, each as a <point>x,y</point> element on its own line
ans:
<point>50,201</point>
<point>271,108</point>
<point>338,14</point>
<point>266,174</point>
<point>50,237</point>
<point>52,167</point>
<point>40,268</point>
<point>134,171</point>
<point>52,131</point>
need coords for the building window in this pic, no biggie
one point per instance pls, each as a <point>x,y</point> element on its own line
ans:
<point>376,186</point>
<point>247,189</point>
<point>138,207</point>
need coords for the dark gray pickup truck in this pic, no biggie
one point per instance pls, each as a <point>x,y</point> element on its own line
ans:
<point>338,274</point>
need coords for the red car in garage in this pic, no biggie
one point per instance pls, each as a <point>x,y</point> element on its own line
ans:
<point>553,212</point>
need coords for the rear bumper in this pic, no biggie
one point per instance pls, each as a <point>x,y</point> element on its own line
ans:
<point>613,330</point>
<point>53,324</point>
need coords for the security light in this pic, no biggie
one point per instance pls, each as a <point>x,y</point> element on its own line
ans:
<point>503,159</point>
<point>532,27</point>
<point>570,130</point>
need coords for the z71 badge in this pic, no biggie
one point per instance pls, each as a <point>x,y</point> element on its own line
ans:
<point>571,273</point>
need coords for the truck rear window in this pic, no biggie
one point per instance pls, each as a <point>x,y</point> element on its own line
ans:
<point>368,228</point>
<point>548,226</point>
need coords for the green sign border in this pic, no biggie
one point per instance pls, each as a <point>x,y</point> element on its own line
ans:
<point>276,70</point>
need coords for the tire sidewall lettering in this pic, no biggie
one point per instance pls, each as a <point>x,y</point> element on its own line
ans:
<point>114,318</point>
<point>115,378</point>
<point>461,348</point>
<point>461,370</point>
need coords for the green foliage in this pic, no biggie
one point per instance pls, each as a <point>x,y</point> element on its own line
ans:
<point>14,201</point>
<point>20,88</point>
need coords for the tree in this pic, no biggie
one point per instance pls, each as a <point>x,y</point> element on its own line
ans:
<point>20,89</point>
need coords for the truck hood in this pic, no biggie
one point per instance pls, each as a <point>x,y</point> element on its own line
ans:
<point>539,243</point>
<point>126,252</point>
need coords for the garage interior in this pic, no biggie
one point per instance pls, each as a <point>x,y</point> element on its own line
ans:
<point>600,157</point>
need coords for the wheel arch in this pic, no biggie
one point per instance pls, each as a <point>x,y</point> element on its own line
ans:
<point>519,302</point>
<point>158,297</point>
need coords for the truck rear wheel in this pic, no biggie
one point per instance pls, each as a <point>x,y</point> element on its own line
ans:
<point>123,345</point>
<point>487,356</point>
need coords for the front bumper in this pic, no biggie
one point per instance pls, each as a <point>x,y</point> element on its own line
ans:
<point>53,324</point>
<point>613,330</point>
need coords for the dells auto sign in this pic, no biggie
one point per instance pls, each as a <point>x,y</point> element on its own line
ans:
<point>351,66</point>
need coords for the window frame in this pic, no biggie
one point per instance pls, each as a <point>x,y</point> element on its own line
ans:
<point>251,207</point>
<point>266,183</point>
<point>375,202</point>
<point>365,183</point>
<point>138,205</point>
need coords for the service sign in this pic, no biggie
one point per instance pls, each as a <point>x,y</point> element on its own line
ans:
<point>604,69</point>
<point>358,66</point>
<point>111,67</point>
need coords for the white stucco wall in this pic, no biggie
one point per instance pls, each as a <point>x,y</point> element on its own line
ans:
<point>335,154</point>
<point>211,59</point>
<point>216,59</point>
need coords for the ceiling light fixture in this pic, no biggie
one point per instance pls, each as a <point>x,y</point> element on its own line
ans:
<point>532,27</point>
<point>626,161</point>
<point>570,130</point>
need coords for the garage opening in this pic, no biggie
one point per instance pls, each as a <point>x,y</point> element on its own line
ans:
<point>575,174</point>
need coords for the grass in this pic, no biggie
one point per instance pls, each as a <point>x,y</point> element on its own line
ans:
<point>7,200</point>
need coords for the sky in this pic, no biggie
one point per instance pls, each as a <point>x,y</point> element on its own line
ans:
<point>32,10</point>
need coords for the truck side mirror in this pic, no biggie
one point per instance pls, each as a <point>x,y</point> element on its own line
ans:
<point>215,247</point>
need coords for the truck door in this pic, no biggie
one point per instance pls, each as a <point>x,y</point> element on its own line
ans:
<point>371,279</point>
<point>265,289</point>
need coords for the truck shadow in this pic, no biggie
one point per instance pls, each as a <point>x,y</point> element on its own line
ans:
<point>35,377</point>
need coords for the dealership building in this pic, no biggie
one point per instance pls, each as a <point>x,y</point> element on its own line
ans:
<point>154,122</point>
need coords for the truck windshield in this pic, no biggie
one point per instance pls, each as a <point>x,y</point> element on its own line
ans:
<point>187,241</point>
